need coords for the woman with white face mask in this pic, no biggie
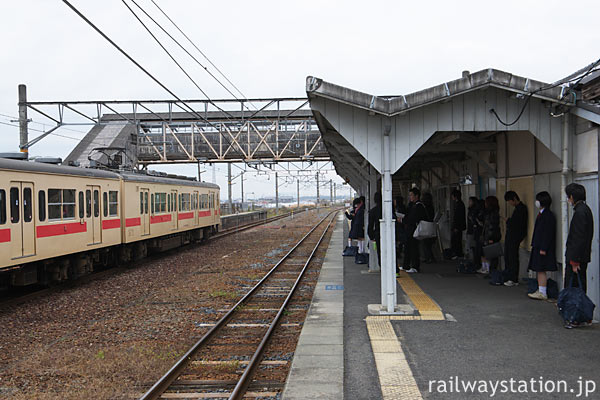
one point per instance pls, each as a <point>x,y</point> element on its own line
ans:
<point>543,245</point>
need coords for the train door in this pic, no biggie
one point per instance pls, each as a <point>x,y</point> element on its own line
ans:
<point>21,218</point>
<point>195,206</point>
<point>174,214</point>
<point>92,215</point>
<point>144,213</point>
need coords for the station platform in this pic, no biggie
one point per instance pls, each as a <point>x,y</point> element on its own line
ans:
<point>464,339</point>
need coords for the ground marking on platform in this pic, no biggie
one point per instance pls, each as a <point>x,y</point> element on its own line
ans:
<point>428,309</point>
<point>395,376</point>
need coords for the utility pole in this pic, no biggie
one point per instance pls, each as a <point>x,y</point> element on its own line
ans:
<point>214,173</point>
<point>242,186</point>
<point>229,188</point>
<point>334,192</point>
<point>276,194</point>
<point>318,197</point>
<point>298,191</point>
<point>330,192</point>
<point>23,135</point>
<point>199,171</point>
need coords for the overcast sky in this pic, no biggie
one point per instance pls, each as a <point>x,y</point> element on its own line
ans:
<point>267,48</point>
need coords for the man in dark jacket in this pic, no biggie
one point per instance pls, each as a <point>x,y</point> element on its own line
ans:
<point>516,230</point>
<point>414,214</point>
<point>373,230</point>
<point>579,241</point>
<point>458,224</point>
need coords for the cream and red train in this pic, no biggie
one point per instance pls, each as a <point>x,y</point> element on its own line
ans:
<point>58,222</point>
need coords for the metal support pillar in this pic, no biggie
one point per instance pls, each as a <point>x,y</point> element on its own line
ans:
<point>334,193</point>
<point>242,188</point>
<point>388,248</point>
<point>298,191</point>
<point>23,134</point>
<point>276,194</point>
<point>318,197</point>
<point>230,199</point>
<point>330,191</point>
<point>199,171</point>
<point>564,204</point>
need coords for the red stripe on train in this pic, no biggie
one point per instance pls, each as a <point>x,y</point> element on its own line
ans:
<point>204,213</point>
<point>4,235</point>
<point>60,229</point>
<point>111,223</point>
<point>186,215</point>
<point>160,218</point>
<point>133,222</point>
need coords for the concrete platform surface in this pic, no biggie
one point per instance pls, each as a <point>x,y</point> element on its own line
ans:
<point>465,339</point>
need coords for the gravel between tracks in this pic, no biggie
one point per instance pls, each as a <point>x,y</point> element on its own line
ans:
<point>111,338</point>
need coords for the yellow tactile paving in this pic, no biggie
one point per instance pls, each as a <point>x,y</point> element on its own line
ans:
<point>428,309</point>
<point>395,376</point>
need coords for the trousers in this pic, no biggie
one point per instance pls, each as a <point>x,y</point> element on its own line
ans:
<point>511,259</point>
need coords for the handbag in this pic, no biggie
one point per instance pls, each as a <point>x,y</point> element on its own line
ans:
<point>573,304</point>
<point>492,251</point>
<point>425,230</point>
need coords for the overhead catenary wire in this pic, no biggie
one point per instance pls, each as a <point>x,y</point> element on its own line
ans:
<point>168,53</point>
<point>186,50</point>
<point>201,52</point>
<point>137,64</point>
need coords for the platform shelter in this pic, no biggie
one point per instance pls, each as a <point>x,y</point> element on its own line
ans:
<point>485,133</point>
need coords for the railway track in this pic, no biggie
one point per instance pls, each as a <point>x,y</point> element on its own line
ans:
<point>14,300</point>
<point>245,330</point>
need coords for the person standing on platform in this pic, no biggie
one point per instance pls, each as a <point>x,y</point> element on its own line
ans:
<point>474,230</point>
<point>358,232</point>
<point>491,232</point>
<point>429,242</point>
<point>516,230</point>
<point>458,224</point>
<point>414,214</point>
<point>543,245</point>
<point>579,242</point>
<point>375,214</point>
<point>351,250</point>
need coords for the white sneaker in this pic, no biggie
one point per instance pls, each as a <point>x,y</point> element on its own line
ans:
<point>412,271</point>
<point>511,283</point>
<point>483,271</point>
<point>537,295</point>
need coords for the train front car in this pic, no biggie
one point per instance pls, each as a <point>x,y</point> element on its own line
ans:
<point>56,222</point>
<point>162,213</point>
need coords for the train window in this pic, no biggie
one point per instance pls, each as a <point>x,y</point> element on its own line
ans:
<point>81,205</point>
<point>54,203</point>
<point>88,203</point>
<point>105,204</point>
<point>161,202</point>
<point>14,205</point>
<point>96,203</point>
<point>180,204</point>
<point>146,203</point>
<point>113,203</point>
<point>2,206</point>
<point>27,207</point>
<point>169,202</point>
<point>152,202</point>
<point>42,205</point>
<point>141,202</point>
<point>68,203</point>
